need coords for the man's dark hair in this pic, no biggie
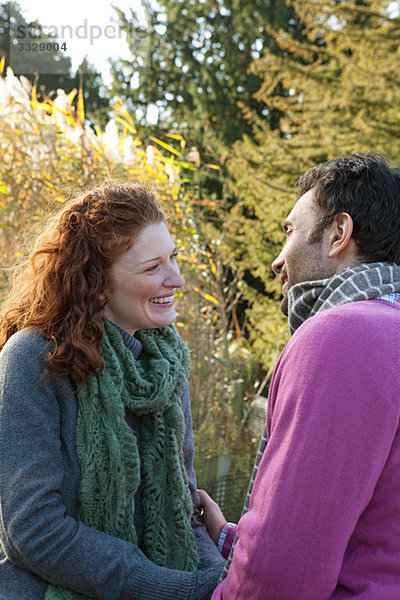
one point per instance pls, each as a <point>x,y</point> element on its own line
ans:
<point>366,187</point>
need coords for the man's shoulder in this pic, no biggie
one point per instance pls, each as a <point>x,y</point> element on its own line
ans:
<point>368,325</point>
<point>359,337</point>
<point>374,313</point>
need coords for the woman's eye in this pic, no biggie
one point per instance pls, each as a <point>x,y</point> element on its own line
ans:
<point>152,268</point>
<point>174,255</point>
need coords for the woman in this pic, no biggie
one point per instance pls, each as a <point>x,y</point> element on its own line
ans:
<point>97,491</point>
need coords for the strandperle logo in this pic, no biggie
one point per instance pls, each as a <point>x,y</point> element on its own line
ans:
<point>64,33</point>
<point>40,48</point>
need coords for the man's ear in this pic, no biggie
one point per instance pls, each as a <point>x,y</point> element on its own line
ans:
<point>340,236</point>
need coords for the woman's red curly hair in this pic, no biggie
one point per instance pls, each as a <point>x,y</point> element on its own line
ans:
<point>61,288</point>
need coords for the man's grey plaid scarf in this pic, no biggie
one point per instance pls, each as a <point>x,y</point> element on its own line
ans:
<point>362,282</point>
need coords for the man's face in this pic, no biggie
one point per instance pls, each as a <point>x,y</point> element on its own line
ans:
<point>301,260</point>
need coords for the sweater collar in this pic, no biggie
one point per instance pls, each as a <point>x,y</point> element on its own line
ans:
<point>132,343</point>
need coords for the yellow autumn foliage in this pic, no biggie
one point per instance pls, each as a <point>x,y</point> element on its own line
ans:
<point>47,149</point>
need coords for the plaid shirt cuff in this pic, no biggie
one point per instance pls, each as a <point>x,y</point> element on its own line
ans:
<point>223,538</point>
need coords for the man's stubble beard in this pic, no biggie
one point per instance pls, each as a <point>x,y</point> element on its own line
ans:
<point>284,305</point>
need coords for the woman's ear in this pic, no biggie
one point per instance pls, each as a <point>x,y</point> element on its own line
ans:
<point>340,236</point>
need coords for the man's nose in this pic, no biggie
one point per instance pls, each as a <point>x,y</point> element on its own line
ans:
<point>278,263</point>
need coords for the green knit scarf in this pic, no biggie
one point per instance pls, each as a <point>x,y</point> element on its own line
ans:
<point>112,468</point>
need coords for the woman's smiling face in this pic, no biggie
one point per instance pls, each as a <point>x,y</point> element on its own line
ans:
<point>142,282</point>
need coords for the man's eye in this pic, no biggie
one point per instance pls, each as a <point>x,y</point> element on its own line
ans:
<point>174,256</point>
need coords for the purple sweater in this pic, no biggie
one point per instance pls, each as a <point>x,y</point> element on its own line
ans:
<point>324,516</point>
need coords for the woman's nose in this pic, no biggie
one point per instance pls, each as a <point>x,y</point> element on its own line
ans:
<point>174,278</point>
<point>181,281</point>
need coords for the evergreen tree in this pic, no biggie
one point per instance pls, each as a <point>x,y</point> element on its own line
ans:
<point>191,60</point>
<point>340,94</point>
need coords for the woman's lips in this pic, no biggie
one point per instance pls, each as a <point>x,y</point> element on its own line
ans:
<point>163,300</point>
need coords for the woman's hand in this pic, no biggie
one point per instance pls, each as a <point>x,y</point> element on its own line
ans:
<point>212,516</point>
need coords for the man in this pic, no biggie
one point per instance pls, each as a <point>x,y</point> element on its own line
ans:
<point>324,515</point>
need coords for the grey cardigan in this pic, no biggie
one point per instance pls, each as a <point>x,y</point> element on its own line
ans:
<point>41,540</point>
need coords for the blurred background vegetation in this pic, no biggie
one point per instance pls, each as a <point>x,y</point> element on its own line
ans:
<point>248,96</point>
